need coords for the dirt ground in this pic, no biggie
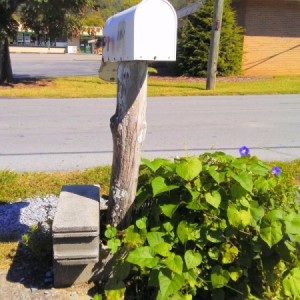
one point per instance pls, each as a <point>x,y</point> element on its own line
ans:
<point>17,290</point>
<point>27,279</point>
<point>27,83</point>
<point>28,283</point>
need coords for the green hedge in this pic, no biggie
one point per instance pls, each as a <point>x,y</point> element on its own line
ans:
<point>194,41</point>
<point>209,227</point>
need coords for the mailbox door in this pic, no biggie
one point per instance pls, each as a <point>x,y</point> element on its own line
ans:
<point>118,34</point>
<point>155,33</point>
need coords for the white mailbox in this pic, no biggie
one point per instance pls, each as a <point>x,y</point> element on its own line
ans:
<point>147,31</point>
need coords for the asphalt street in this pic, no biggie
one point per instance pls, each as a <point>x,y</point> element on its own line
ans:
<point>54,65</point>
<point>70,134</point>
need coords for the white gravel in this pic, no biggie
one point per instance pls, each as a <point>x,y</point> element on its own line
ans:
<point>17,217</point>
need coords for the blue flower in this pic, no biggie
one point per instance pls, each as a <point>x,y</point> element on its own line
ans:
<point>244,151</point>
<point>276,171</point>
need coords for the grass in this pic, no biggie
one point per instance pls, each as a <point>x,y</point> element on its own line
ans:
<point>93,87</point>
<point>273,85</point>
<point>14,186</point>
<point>8,251</point>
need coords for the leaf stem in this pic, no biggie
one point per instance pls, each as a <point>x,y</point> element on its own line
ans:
<point>231,288</point>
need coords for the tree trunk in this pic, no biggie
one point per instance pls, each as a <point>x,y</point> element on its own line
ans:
<point>5,63</point>
<point>128,126</point>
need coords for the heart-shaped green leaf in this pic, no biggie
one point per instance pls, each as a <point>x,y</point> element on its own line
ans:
<point>291,284</point>
<point>219,277</point>
<point>214,198</point>
<point>159,186</point>
<point>189,168</point>
<point>192,259</point>
<point>271,232</point>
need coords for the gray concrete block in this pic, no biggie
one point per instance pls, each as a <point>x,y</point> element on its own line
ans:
<point>75,232</point>
<point>68,275</point>
<point>78,247</point>
<point>70,272</point>
<point>77,209</point>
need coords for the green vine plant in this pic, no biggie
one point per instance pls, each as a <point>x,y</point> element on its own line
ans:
<point>209,227</point>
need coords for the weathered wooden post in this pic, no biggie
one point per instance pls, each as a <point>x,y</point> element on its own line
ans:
<point>128,127</point>
<point>145,32</point>
<point>214,45</point>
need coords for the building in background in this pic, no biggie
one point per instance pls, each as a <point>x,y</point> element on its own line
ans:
<point>88,40</point>
<point>271,36</point>
<point>27,41</point>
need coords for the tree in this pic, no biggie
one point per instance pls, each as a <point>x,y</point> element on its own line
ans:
<point>54,18</point>
<point>92,18</point>
<point>111,7</point>
<point>194,40</point>
<point>51,17</point>
<point>8,27</point>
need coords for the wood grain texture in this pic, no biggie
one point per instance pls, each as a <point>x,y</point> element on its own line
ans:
<point>128,127</point>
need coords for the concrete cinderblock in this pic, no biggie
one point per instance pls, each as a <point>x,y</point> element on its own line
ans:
<point>76,235</point>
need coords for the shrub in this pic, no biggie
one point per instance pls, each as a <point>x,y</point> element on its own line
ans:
<point>194,42</point>
<point>39,242</point>
<point>209,227</point>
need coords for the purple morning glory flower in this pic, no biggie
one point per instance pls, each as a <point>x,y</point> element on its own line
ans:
<point>276,171</point>
<point>244,151</point>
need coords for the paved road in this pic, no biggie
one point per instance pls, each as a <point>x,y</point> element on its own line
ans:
<point>68,134</point>
<point>54,65</point>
